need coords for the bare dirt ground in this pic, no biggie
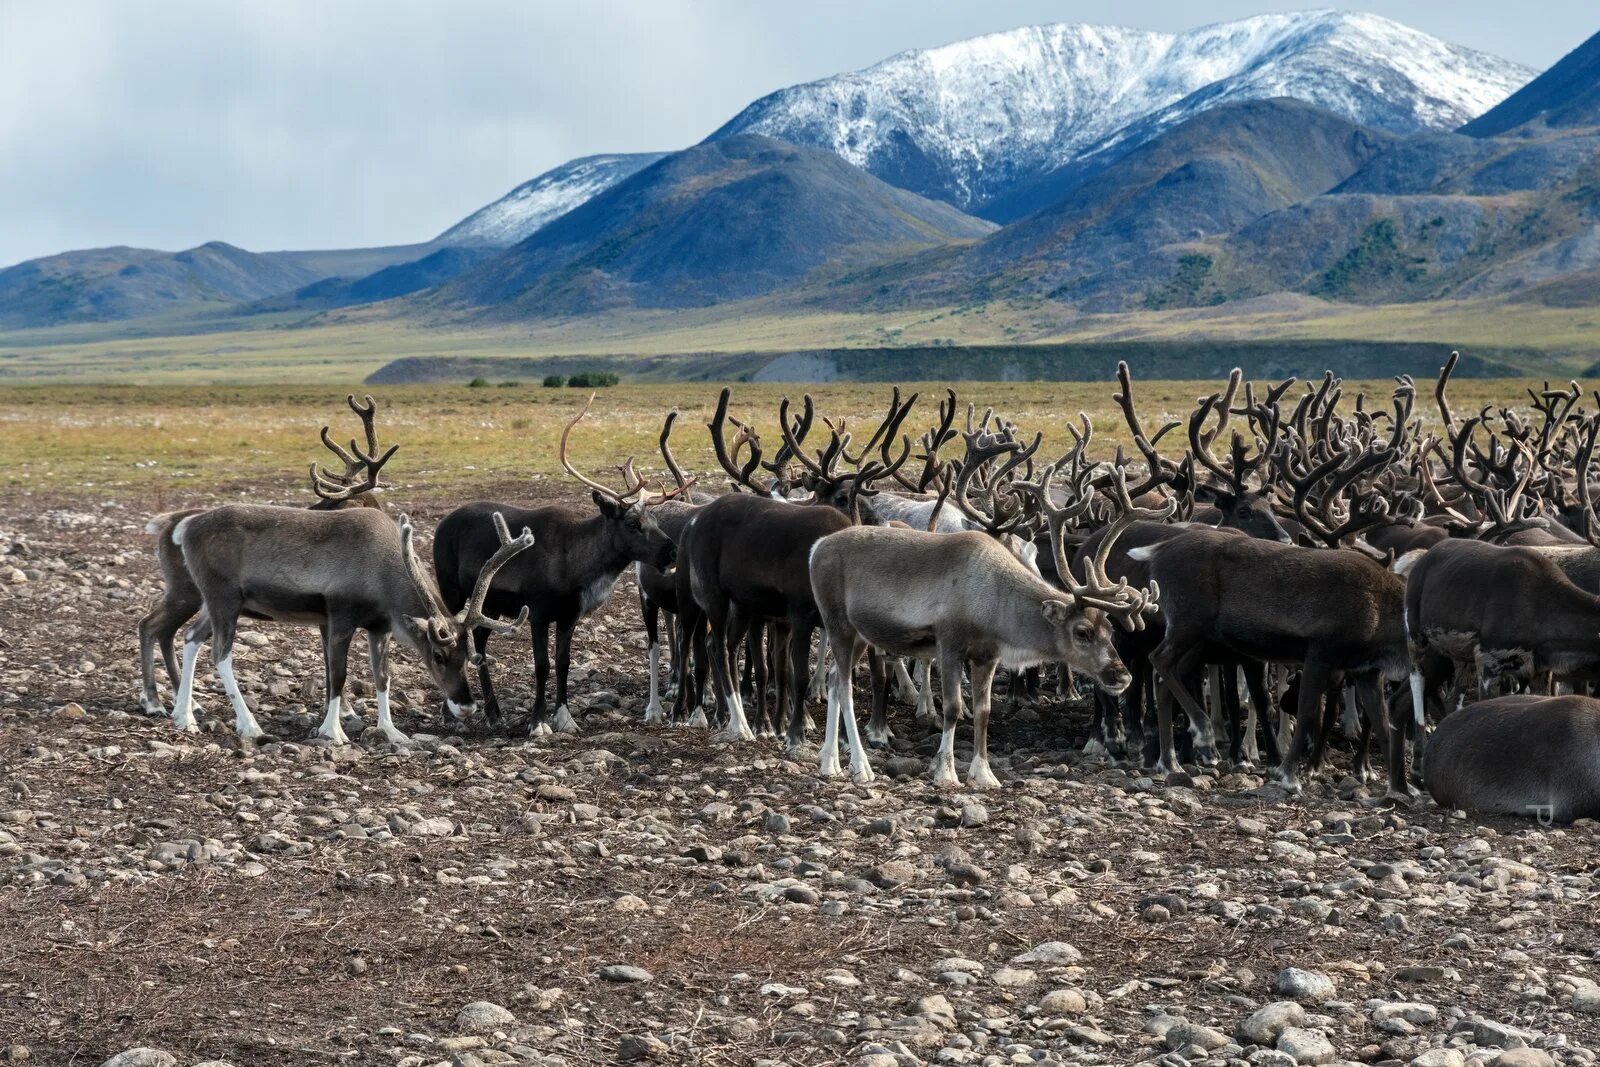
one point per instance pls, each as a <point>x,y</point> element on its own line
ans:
<point>303,904</point>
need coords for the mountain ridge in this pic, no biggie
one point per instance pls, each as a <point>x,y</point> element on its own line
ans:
<point>1039,98</point>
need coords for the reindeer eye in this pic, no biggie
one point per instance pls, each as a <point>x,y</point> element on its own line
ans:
<point>1084,633</point>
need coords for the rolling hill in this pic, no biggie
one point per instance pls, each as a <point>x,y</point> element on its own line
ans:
<point>721,221</point>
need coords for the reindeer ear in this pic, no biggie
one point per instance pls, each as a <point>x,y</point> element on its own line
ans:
<point>416,627</point>
<point>1057,612</point>
<point>607,506</point>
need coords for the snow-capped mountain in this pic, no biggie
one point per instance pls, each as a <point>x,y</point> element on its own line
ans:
<point>974,122</point>
<point>552,194</point>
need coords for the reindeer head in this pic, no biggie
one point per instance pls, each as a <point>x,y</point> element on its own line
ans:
<point>1082,618</point>
<point>443,640</point>
<point>632,529</point>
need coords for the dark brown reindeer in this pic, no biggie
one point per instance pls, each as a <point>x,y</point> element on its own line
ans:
<point>1329,610</point>
<point>358,486</point>
<point>341,571</point>
<point>1248,511</point>
<point>658,589</point>
<point>748,553</point>
<point>579,560</point>
<point>1535,756</point>
<point>966,599</point>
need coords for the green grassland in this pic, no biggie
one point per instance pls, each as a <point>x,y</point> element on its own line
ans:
<point>346,346</point>
<point>154,443</point>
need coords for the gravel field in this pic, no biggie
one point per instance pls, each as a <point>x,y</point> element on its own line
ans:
<point>632,894</point>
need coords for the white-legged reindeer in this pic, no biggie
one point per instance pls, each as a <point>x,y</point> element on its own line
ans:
<point>967,600</point>
<point>357,487</point>
<point>579,560</point>
<point>341,571</point>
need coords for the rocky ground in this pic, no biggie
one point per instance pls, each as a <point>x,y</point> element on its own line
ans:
<point>644,894</point>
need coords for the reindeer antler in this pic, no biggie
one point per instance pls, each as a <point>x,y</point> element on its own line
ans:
<point>636,485</point>
<point>369,463</point>
<point>471,617</point>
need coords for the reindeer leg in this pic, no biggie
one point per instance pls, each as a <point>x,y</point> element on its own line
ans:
<point>944,761</point>
<point>378,660</point>
<point>1262,721</point>
<point>878,733</point>
<point>224,624</point>
<point>1175,668</point>
<point>843,672</point>
<point>979,776</point>
<point>905,689</point>
<point>491,702</point>
<point>799,664</point>
<point>654,713</point>
<point>819,677</point>
<point>765,667</point>
<point>1227,679</point>
<point>700,660</point>
<point>564,724</point>
<point>340,634</point>
<point>156,630</point>
<point>841,701</point>
<point>723,632</point>
<point>1314,680</point>
<point>538,726</point>
<point>1099,723</point>
<point>183,699</point>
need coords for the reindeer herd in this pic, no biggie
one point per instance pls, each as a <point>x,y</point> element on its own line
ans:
<point>1301,559</point>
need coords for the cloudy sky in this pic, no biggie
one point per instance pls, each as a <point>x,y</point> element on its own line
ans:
<point>344,123</point>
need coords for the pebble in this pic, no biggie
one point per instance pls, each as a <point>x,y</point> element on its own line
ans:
<point>1305,1045</point>
<point>483,1017</point>
<point>622,972</point>
<point>142,1057</point>
<point>1303,985</point>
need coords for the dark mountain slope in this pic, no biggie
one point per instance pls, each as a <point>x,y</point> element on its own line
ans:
<point>1568,94</point>
<point>1117,239</point>
<point>436,268</point>
<point>720,221</point>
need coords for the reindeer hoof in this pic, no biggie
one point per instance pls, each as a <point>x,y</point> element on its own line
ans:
<point>1096,749</point>
<point>655,715</point>
<point>540,729</point>
<point>699,720</point>
<point>862,775</point>
<point>152,707</point>
<point>982,779</point>
<point>736,732</point>
<point>565,723</point>
<point>829,768</point>
<point>944,776</point>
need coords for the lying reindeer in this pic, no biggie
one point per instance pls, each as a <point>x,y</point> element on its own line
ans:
<point>1519,755</point>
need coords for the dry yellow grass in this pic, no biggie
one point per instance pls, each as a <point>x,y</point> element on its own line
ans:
<point>114,441</point>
